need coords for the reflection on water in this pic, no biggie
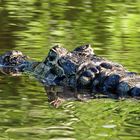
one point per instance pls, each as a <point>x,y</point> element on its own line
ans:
<point>32,27</point>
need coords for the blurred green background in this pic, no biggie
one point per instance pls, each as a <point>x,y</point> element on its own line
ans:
<point>112,27</point>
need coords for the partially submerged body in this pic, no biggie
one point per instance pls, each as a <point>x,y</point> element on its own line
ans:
<point>78,71</point>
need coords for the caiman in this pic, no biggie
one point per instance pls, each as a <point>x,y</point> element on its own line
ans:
<point>80,71</point>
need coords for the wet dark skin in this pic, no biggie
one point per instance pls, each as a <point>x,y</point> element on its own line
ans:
<point>77,71</point>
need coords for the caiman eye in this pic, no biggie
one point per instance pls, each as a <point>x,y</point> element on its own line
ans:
<point>51,58</point>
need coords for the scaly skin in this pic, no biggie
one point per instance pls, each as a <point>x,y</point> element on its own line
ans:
<point>78,70</point>
<point>13,62</point>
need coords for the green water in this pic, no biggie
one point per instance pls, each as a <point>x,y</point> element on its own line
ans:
<point>112,27</point>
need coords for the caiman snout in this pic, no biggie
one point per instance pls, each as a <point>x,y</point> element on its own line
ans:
<point>13,62</point>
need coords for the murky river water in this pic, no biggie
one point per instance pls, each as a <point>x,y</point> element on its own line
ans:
<point>33,27</point>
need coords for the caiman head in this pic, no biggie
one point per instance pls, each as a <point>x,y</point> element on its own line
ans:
<point>49,69</point>
<point>12,62</point>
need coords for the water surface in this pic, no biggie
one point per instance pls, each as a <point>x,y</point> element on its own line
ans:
<point>33,27</point>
